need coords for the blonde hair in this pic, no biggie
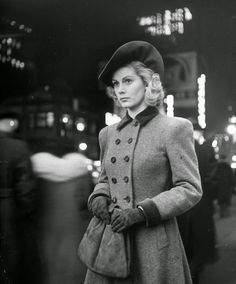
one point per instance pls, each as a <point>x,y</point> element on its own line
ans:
<point>154,94</point>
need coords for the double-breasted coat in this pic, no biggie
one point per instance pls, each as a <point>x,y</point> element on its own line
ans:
<point>150,161</point>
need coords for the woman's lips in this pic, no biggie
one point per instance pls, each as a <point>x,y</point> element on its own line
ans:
<point>124,99</point>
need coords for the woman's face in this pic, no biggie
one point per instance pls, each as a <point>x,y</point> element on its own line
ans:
<point>129,88</point>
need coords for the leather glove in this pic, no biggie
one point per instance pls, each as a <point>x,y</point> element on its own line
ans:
<point>99,208</point>
<point>123,219</point>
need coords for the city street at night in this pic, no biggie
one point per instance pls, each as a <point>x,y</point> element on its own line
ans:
<point>223,271</point>
<point>123,112</point>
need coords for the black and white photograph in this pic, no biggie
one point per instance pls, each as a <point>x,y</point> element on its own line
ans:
<point>117,142</point>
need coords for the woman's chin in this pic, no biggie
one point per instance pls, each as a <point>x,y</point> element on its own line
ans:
<point>125,104</point>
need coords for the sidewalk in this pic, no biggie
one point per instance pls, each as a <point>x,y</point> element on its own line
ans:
<point>224,270</point>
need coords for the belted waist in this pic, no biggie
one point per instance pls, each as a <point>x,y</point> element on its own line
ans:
<point>6,192</point>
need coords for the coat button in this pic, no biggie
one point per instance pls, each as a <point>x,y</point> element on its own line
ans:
<point>117,141</point>
<point>126,179</point>
<point>114,180</point>
<point>130,140</point>
<point>136,123</point>
<point>113,160</point>
<point>126,158</point>
<point>127,198</point>
<point>114,199</point>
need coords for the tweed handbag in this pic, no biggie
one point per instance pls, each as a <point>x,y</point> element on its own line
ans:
<point>105,252</point>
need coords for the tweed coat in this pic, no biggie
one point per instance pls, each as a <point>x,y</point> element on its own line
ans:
<point>151,161</point>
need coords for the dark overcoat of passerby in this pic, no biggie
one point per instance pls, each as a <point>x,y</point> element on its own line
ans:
<point>197,227</point>
<point>18,247</point>
<point>149,170</point>
<point>225,185</point>
<point>64,184</point>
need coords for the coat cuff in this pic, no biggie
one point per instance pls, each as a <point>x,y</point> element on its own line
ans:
<point>150,211</point>
<point>94,195</point>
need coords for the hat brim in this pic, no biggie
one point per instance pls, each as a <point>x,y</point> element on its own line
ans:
<point>133,51</point>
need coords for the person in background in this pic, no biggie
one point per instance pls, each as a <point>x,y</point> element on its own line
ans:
<point>149,170</point>
<point>18,248</point>
<point>64,184</point>
<point>225,186</point>
<point>197,226</point>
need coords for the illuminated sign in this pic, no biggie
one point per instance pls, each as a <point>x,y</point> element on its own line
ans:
<point>201,101</point>
<point>166,23</point>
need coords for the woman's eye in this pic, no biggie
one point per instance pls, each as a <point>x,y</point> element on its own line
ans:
<point>128,81</point>
<point>114,84</point>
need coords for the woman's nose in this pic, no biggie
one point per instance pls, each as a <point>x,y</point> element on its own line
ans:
<point>121,89</point>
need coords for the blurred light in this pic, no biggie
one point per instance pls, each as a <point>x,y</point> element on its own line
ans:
<point>83,146</point>
<point>18,45</point>
<point>201,101</point>
<point>233,165</point>
<point>97,163</point>
<point>21,27</point>
<point>201,140</point>
<point>9,41</point>
<point>22,65</point>
<point>214,143</point>
<point>65,118</point>
<point>226,138</point>
<point>18,63</point>
<point>166,23</point>
<point>80,126</point>
<point>95,174</point>
<point>46,88</point>
<point>50,119</point>
<point>90,167</point>
<point>12,123</point>
<point>170,105</point>
<point>111,118</point>
<point>231,129</point>
<point>234,158</point>
<point>28,30</point>
<point>9,51</point>
<point>188,14</point>
<point>232,119</point>
<point>13,23</point>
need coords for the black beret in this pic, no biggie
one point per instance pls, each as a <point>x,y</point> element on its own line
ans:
<point>133,51</point>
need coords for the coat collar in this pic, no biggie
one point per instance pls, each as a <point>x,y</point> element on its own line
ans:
<point>143,117</point>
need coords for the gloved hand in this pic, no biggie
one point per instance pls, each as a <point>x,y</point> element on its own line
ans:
<point>99,208</point>
<point>123,219</point>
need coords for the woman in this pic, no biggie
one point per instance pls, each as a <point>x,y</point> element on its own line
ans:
<point>149,169</point>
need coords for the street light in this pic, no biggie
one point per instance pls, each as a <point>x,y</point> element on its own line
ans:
<point>231,129</point>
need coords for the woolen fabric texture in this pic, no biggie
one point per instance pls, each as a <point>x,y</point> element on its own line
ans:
<point>155,163</point>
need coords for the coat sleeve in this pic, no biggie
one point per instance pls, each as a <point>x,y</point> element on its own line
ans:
<point>102,187</point>
<point>186,188</point>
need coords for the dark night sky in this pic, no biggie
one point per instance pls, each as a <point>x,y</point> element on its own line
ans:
<point>71,37</point>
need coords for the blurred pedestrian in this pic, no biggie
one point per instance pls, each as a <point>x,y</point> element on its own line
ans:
<point>149,169</point>
<point>18,246</point>
<point>197,227</point>
<point>225,184</point>
<point>64,184</point>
